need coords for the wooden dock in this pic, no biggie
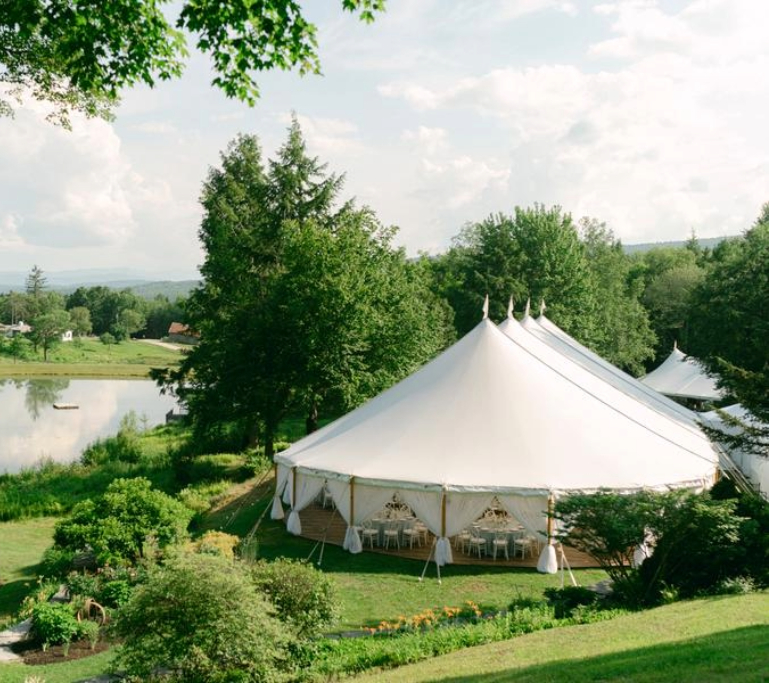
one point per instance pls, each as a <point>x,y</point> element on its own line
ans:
<point>319,523</point>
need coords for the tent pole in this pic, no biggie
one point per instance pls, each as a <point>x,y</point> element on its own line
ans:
<point>550,513</point>
<point>352,501</point>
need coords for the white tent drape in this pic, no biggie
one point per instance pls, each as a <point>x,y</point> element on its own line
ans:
<point>289,484</point>
<point>280,484</point>
<point>369,500</point>
<point>426,505</point>
<point>463,509</point>
<point>530,511</point>
<point>340,493</point>
<point>307,487</point>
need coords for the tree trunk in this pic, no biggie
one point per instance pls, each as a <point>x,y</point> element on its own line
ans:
<point>311,423</point>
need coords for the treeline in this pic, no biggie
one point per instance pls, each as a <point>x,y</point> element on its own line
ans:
<point>94,310</point>
<point>308,308</point>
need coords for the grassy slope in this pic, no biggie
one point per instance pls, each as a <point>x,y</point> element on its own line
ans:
<point>91,358</point>
<point>22,545</point>
<point>723,639</point>
<point>66,672</point>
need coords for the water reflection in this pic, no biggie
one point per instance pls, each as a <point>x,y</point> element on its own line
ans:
<point>42,393</point>
<point>31,429</point>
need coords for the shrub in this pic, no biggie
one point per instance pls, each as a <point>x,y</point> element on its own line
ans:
<point>217,543</point>
<point>565,600</point>
<point>201,618</point>
<point>696,546</point>
<point>117,525</point>
<point>304,597</point>
<point>57,562</point>
<point>54,623</point>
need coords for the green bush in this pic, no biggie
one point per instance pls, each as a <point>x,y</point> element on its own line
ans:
<point>565,600</point>
<point>304,597</point>
<point>54,623</point>
<point>57,562</point>
<point>201,618</point>
<point>117,525</point>
<point>125,446</point>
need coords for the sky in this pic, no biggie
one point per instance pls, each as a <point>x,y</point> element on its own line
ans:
<point>648,115</point>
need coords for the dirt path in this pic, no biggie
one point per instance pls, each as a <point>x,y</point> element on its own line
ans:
<point>165,345</point>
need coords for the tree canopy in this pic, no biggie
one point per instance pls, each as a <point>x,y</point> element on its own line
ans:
<point>304,306</point>
<point>78,55</point>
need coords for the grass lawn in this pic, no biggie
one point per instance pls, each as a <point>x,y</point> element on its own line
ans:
<point>91,358</point>
<point>66,672</point>
<point>723,639</point>
<point>21,546</point>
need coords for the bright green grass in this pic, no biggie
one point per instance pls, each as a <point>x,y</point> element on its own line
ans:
<point>724,639</point>
<point>91,358</point>
<point>66,672</point>
<point>375,587</point>
<point>21,547</point>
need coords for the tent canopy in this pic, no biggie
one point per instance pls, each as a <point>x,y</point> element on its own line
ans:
<point>489,415</point>
<point>547,331</point>
<point>683,377</point>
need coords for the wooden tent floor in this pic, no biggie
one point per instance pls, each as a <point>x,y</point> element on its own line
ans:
<point>320,523</point>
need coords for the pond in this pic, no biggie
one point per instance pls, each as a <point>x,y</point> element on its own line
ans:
<point>31,429</point>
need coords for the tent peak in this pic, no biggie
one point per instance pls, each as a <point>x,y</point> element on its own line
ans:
<point>510,307</point>
<point>486,307</point>
<point>542,306</point>
<point>527,310</point>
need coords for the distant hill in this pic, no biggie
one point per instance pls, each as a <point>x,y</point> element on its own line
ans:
<point>170,288</point>
<point>706,243</point>
<point>144,284</point>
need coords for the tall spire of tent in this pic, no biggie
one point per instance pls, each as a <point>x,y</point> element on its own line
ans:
<point>510,307</point>
<point>542,306</point>
<point>486,307</point>
<point>527,310</point>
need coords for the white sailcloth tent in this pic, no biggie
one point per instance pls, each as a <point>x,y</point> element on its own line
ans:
<point>682,376</point>
<point>487,418</point>
<point>547,331</point>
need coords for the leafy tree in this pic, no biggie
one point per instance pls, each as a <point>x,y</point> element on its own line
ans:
<point>200,618</point>
<point>534,253</point>
<point>608,526</point>
<point>730,328</point>
<point>694,540</point>
<point>304,597</point>
<point>129,322</point>
<point>78,56</point>
<point>47,329</point>
<point>301,304</point>
<point>15,307</point>
<point>107,339</point>
<point>80,319</point>
<point>622,333</point>
<point>117,525</point>
<point>160,314</point>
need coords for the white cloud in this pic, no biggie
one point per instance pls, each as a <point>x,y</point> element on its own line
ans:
<point>633,146</point>
<point>429,140</point>
<point>328,136</point>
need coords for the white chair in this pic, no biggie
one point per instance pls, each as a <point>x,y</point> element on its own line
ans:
<point>370,535</point>
<point>500,544</point>
<point>477,542</point>
<point>524,544</point>
<point>392,535</point>
<point>462,540</point>
<point>411,535</point>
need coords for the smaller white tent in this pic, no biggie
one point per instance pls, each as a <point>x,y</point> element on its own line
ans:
<point>682,376</point>
<point>752,465</point>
